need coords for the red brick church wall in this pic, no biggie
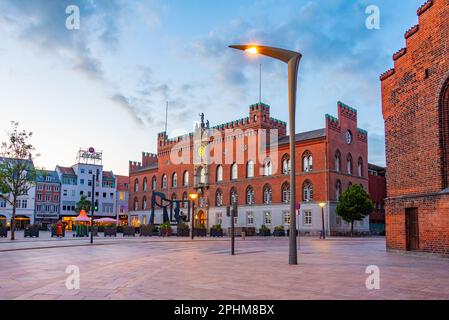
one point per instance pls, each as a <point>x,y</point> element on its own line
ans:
<point>411,99</point>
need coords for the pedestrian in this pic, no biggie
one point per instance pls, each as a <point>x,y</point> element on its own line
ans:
<point>59,229</point>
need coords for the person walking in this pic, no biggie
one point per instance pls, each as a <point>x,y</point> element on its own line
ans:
<point>59,229</point>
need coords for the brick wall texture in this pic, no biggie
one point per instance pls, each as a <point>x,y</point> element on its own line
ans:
<point>415,102</point>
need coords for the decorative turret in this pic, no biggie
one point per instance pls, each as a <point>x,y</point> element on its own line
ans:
<point>259,113</point>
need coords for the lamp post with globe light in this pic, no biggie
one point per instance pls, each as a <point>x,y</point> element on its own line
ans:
<point>193,197</point>
<point>322,205</point>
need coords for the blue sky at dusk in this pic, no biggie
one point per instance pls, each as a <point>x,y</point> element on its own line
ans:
<point>106,84</point>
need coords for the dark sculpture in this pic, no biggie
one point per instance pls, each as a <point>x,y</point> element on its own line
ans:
<point>176,215</point>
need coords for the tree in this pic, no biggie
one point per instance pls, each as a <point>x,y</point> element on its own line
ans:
<point>354,205</point>
<point>17,172</point>
<point>83,204</point>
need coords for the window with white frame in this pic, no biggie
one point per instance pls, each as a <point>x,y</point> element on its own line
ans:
<point>267,168</point>
<point>337,161</point>
<point>24,204</point>
<point>219,173</point>
<point>202,175</point>
<point>250,169</point>
<point>286,165</point>
<point>267,194</point>
<point>287,217</point>
<point>250,218</point>
<point>360,167</point>
<point>234,171</point>
<point>186,179</point>
<point>153,183</point>
<point>219,218</point>
<point>337,190</point>
<point>136,204</point>
<point>286,193</point>
<point>307,217</point>
<point>234,196</point>
<point>219,198</point>
<point>174,181</point>
<point>145,184</point>
<point>307,162</point>
<point>338,220</point>
<point>267,217</point>
<point>307,191</point>
<point>136,185</point>
<point>164,182</point>
<point>250,196</point>
<point>349,164</point>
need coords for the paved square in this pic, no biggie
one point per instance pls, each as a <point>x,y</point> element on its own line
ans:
<point>173,268</point>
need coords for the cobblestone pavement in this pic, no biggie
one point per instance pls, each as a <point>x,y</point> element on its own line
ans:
<point>203,269</point>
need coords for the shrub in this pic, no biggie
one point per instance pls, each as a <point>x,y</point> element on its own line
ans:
<point>200,226</point>
<point>216,227</point>
<point>279,228</point>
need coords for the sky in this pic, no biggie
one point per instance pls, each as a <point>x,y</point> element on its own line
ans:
<point>106,84</point>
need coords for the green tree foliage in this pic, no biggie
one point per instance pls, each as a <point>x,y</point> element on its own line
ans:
<point>354,205</point>
<point>17,172</point>
<point>83,204</point>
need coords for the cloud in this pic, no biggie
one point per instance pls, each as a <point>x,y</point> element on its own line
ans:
<point>42,23</point>
<point>128,106</point>
<point>342,59</point>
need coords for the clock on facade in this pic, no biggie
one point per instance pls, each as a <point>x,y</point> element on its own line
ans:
<point>348,137</point>
<point>201,151</point>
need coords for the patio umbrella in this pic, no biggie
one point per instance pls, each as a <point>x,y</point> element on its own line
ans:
<point>82,217</point>
<point>106,220</point>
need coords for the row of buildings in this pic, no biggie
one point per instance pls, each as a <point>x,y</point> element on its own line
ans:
<point>247,161</point>
<point>56,193</point>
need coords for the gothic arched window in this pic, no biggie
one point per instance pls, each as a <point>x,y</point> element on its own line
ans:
<point>444,133</point>
<point>307,162</point>
<point>250,169</point>
<point>307,189</point>
<point>267,194</point>
<point>285,193</point>
<point>219,173</point>
<point>250,196</point>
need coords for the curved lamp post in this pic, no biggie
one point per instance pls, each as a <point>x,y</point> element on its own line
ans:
<point>292,58</point>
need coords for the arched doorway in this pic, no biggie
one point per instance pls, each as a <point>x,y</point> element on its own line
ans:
<point>444,133</point>
<point>201,218</point>
<point>22,222</point>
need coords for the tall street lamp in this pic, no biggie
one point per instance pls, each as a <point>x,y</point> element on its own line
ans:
<point>292,58</point>
<point>193,197</point>
<point>322,205</point>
